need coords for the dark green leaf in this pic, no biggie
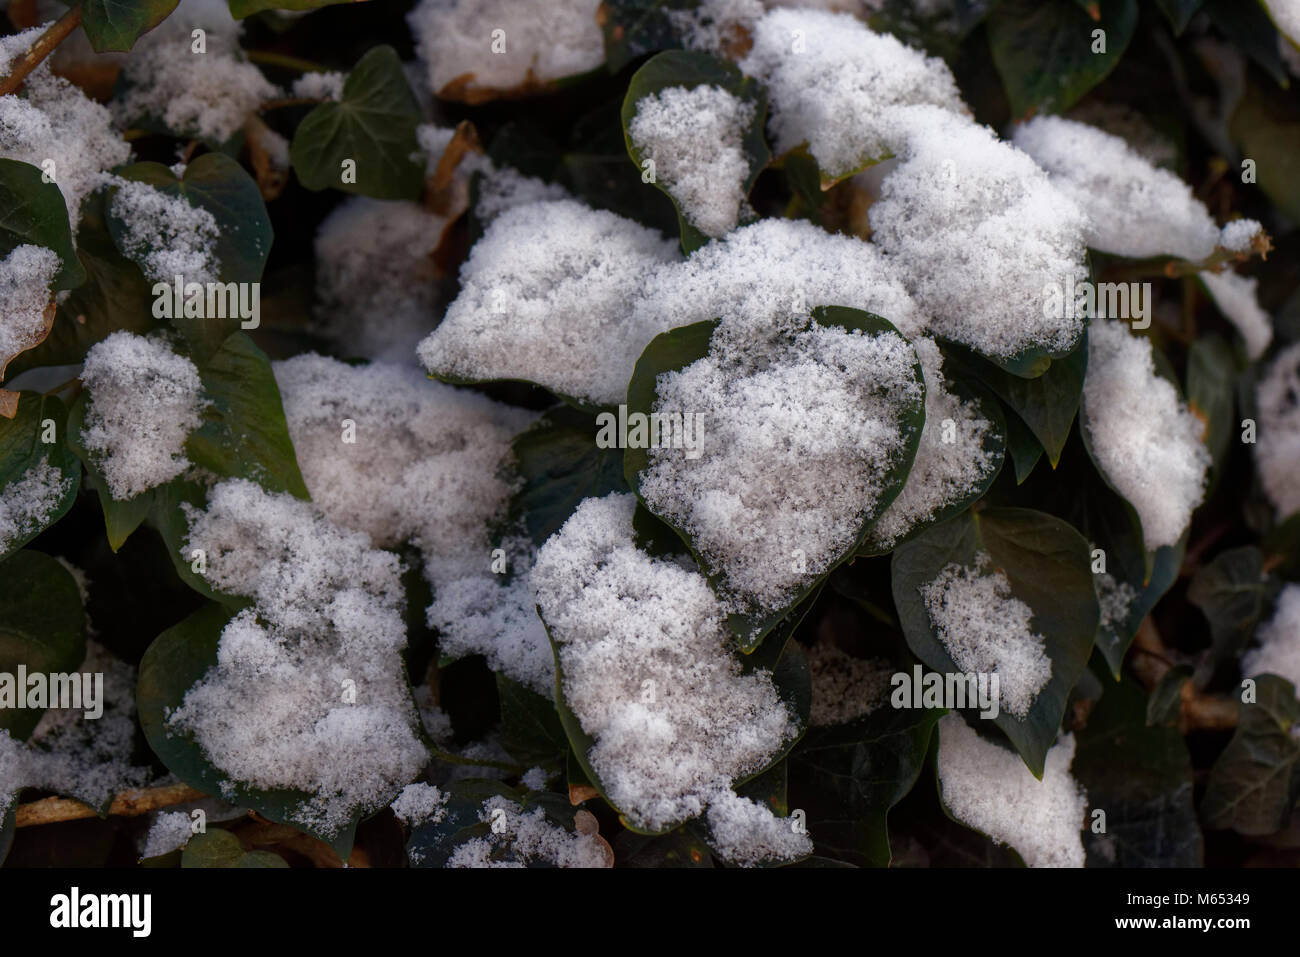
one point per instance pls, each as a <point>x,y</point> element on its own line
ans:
<point>121,517</point>
<point>1254,785</point>
<point>1211,372</point>
<point>530,731</point>
<point>215,848</point>
<point>677,848</point>
<point>679,68</point>
<point>1023,447</point>
<point>42,628</point>
<point>23,446</point>
<point>1250,30</point>
<point>1234,593</point>
<point>1180,12</point>
<point>634,28</point>
<point>1165,704</point>
<point>373,126</point>
<point>32,211</point>
<point>1046,563</point>
<point>117,24</point>
<point>239,9</point>
<point>1266,127</point>
<point>1044,50</point>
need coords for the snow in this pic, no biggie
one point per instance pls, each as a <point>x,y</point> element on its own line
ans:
<point>1285,14</point>
<point>1115,598</point>
<point>988,787</point>
<point>519,838</point>
<point>12,775</point>
<point>979,235</point>
<point>987,630</point>
<point>164,234</point>
<point>1145,439</point>
<point>839,91</point>
<point>545,297</point>
<point>744,832</point>
<point>29,501</point>
<point>320,85</point>
<point>376,285</point>
<point>309,689</point>
<point>169,831</point>
<point>695,139</point>
<point>650,672</point>
<point>504,187</point>
<point>1235,295</point>
<point>208,95</point>
<point>425,463</point>
<point>844,687</point>
<point>797,436</point>
<point>419,803</point>
<point>1277,449</point>
<point>539,41</point>
<point>144,400</point>
<point>26,275</point>
<point>1239,235</point>
<point>1134,208</point>
<point>1278,651</point>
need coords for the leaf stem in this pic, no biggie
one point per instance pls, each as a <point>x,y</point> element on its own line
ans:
<point>43,47</point>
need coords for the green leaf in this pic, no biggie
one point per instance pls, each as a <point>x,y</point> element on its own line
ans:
<point>678,848</point>
<point>215,848</point>
<point>258,859</point>
<point>239,9</point>
<point>177,659</point>
<point>1234,592</point>
<point>167,515</point>
<point>1022,446</point>
<point>1165,704</point>
<point>1179,12</point>
<point>1046,563</point>
<point>1211,374</point>
<point>633,28</point>
<point>33,212</point>
<point>373,126</point>
<point>677,349</point>
<point>1248,27</point>
<point>679,68</point>
<point>1141,777</point>
<point>218,184</point>
<point>530,730</point>
<point>244,433</point>
<point>848,777</point>
<point>1046,404</point>
<point>23,447</point>
<point>42,627</point>
<point>121,517</point>
<point>560,464</point>
<point>116,24</point>
<point>1254,784</point>
<point>1266,127</point>
<point>1043,50</point>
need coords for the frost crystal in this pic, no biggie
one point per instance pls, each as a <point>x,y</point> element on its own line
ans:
<point>836,85</point>
<point>987,630</point>
<point>988,787</point>
<point>1134,208</point>
<point>519,838</point>
<point>28,502</point>
<point>144,402</point>
<point>419,803</point>
<point>321,85</point>
<point>1235,296</point>
<point>25,278</point>
<point>695,138</point>
<point>650,672</point>
<point>1277,453</point>
<point>1278,652</point>
<point>165,234</point>
<point>170,831</point>
<point>505,44</point>
<point>744,832</point>
<point>1145,439</point>
<point>545,297</point>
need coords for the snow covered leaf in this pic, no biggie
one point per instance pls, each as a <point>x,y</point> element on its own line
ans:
<point>1234,592</point>
<point>1254,784</point>
<point>244,434</point>
<point>117,24</point>
<point>121,516</point>
<point>1005,590</point>
<point>633,28</point>
<point>560,464</point>
<point>760,581</point>
<point>847,778</point>
<point>33,213</point>
<point>1142,778</point>
<point>364,142</point>
<point>42,627</point>
<point>39,475</point>
<point>697,124</point>
<point>1045,50</point>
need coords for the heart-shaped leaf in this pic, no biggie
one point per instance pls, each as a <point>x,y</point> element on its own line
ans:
<point>116,24</point>
<point>32,212</point>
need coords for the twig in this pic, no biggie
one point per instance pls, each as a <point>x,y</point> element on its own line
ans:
<point>39,50</point>
<point>127,804</point>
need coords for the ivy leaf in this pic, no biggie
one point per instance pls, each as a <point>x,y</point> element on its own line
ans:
<point>679,68</point>
<point>373,127</point>
<point>115,25</point>
<point>218,184</point>
<point>561,465</point>
<point>177,659</point>
<point>23,447</point>
<point>1254,785</point>
<point>1233,592</point>
<point>677,349</point>
<point>244,433</point>
<point>42,627</point>
<point>1046,563</point>
<point>33,212</point>
<point>1211,374</point>
<point>530,730</point>
<point>1164,707</point>
<point>1141,777</point>
<point>1043,50</point>
<point>633,28</point>
<point>848,777</point>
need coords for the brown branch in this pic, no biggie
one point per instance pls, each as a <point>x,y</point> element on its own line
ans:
<point>42,48</point>
<point>127,804</point>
